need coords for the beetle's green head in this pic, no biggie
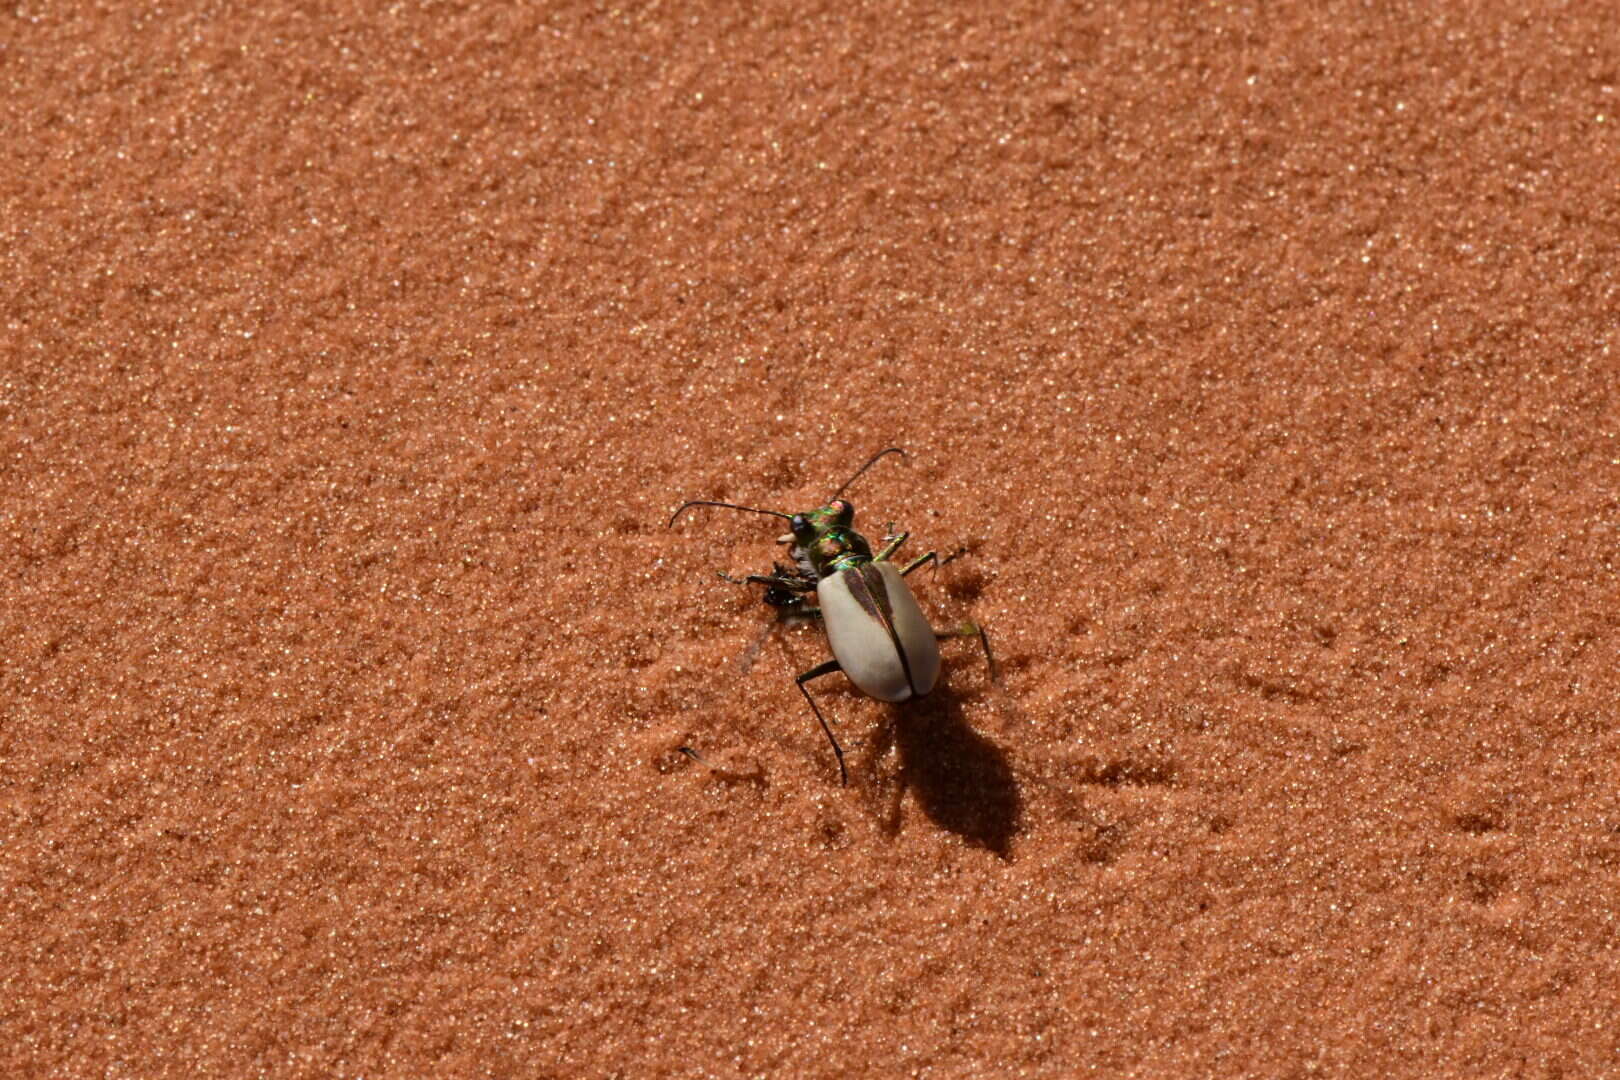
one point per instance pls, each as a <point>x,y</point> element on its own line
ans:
<point>826,538</point>
<point>838,514</point>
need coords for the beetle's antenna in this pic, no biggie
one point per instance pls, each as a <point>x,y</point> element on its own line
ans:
<point>875,459</point>
<point>729,506</point>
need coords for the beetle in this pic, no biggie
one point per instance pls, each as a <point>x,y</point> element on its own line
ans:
<point>879,637</point>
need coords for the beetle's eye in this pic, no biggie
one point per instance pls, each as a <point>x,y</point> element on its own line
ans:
<point>842,510</point>
<point>799,524</point>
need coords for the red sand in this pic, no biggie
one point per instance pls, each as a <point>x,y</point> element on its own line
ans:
<point>1264,364</point>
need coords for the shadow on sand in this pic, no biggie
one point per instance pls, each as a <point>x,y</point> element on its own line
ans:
<point>963,782</point>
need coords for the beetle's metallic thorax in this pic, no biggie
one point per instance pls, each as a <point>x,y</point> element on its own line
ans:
<point>831,551</point>
<point>840,549</point>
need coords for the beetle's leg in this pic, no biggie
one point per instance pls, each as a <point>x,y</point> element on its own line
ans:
<point>786,595</point>
<point>932,557</point>
<point>784,591</point>
<point>891,547</point>
<point>815,673</point>
<point>969,629</point>
<point>775,581</point>
<point>781,588</point>
<point>790,607</point>
<point>938,562</point>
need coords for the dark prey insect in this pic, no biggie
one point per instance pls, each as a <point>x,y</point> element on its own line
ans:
<point>879,636</point>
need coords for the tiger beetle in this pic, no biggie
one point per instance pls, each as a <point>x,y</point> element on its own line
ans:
<point>879,637</point>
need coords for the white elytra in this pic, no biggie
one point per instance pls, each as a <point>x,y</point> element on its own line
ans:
<point>889,666</point>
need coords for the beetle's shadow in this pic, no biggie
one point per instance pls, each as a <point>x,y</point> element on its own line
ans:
<point>962,781</point>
